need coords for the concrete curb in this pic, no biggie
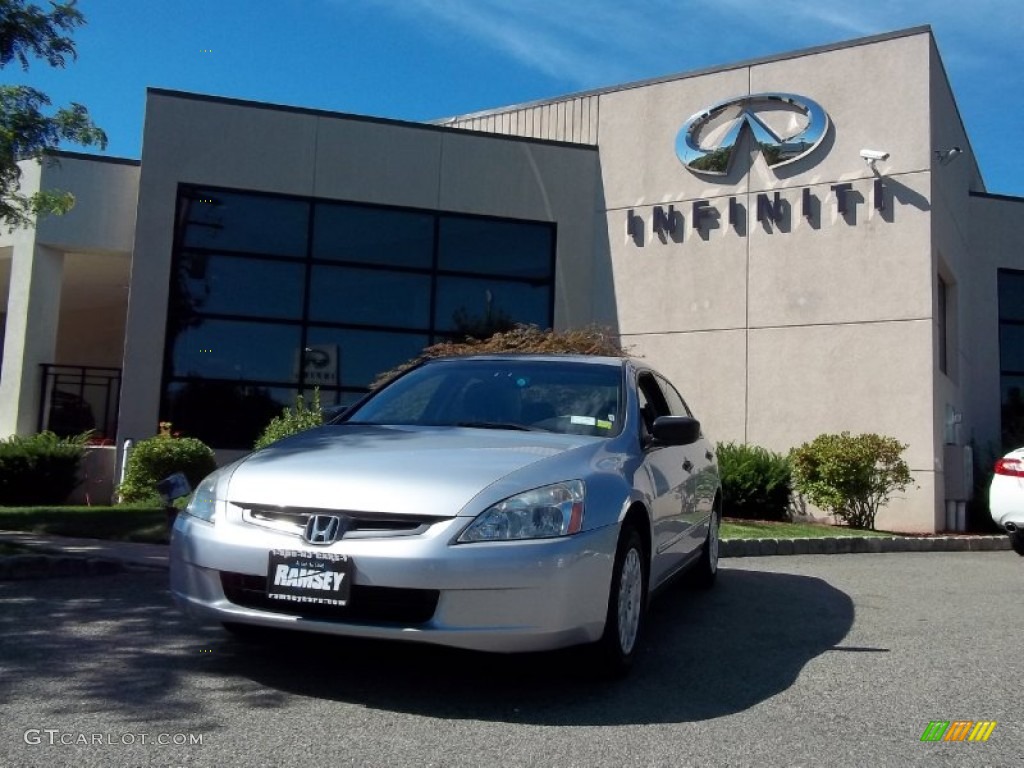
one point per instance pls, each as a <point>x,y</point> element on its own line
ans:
<point>842,545</point>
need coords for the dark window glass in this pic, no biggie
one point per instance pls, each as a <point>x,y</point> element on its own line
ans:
<point>1011,295</point>
<point>373,235</point>
<point>1011,348</point>
<point>223,414</point>
<point>676,405</point>
<point>362,355</point>
<point>1012,412</point>
<point>475,306</point>
<point>228,349</point>
<point>369,297</point>
<point>570,398</point>
<point>240,222</point>
<point>234,285</point>
<point>516,249</point>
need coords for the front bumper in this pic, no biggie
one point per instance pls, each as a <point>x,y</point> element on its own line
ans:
<point>505,597</point>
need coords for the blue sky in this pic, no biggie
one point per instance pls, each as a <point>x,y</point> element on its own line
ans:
<point>424,59</point>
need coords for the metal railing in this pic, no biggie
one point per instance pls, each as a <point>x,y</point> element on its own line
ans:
<point>77,398</point>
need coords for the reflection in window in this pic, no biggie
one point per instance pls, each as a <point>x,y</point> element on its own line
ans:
<point>479,307</point>
<point>222,413</point>
<point>516,249</point>
<point>238,351</point>
<point>373,235</point>
<point>272,295</point>
<point>369,297</point>
<point>233,221</point>
<point>1011,356</point>
<point>234,285</point>
<point>364,354</point>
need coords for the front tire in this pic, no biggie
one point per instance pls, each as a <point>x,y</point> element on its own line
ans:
<point>627,602</point>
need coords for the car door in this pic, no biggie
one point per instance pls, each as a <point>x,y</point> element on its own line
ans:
<point>664,465</point>
<point>699,482</point>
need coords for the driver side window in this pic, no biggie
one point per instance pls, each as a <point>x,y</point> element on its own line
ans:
<point>652,404</point>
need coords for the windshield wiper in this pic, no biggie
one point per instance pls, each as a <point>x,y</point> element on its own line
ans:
<point>497,425</point>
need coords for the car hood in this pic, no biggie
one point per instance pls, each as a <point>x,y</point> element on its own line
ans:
<point>389,469</point>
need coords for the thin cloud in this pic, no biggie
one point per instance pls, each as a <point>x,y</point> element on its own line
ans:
<point>597,42</point>
<point>584,44</point>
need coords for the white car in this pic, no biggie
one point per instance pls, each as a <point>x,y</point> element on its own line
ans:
<point>1006,497</point>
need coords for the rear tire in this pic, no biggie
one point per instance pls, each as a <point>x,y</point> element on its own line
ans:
<point>706,570</point>
<point>627,603</point>
<point>1017,542</point>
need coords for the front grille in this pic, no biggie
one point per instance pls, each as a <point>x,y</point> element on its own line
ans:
<point>362,525</point>
<point>389,605</point>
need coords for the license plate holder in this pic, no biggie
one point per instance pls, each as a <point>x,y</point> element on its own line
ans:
<point>324,578</point>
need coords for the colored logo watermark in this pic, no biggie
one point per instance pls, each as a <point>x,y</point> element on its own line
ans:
<point>958,730</point>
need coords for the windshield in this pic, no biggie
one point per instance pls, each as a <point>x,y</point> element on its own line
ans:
<point>567,397</point>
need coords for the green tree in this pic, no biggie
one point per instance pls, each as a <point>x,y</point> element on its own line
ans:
<point>26,130</point>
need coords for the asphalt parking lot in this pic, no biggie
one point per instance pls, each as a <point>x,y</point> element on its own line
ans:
<point>790,661</point>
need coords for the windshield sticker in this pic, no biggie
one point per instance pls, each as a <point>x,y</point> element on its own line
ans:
<point>602,424</point>
<point>587,420</point>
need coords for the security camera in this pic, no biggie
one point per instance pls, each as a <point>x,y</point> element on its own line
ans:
<point>947,156</point>
<point>873,155</point>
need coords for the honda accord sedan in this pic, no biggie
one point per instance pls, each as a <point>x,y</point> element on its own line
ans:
<point>499,503</point>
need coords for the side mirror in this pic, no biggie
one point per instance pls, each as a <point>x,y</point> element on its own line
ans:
<point>675,430</point>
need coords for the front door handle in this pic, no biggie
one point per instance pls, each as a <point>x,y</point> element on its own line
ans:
<point>688,465</point>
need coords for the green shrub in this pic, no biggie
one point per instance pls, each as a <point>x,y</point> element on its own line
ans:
<point>155,458</point>
<point>850,476</point>
<point>756,483</point>
<point>298,418</point>
<point>39,469</point>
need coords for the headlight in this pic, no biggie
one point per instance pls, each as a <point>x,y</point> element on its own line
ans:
<point>543,513</point>
<point>203,503</point>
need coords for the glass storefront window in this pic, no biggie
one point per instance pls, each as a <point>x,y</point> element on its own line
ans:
<point>238,351</point>
<point>373,235</point>
<point>369,297</point>
<point>361,355</point>
<point>488,246</point>
<point>234,285</point>
<point>233,221</point>
<point>275,295</point>
<point>223,414</point>
<point>480,306</point>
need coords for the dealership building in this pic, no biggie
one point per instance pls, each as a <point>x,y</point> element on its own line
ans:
<point>803,243</point>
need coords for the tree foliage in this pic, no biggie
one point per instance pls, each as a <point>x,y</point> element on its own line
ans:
<point>850,476</point>
<point>28,31</point>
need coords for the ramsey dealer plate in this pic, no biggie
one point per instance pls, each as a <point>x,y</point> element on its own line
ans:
<point>309,577</point>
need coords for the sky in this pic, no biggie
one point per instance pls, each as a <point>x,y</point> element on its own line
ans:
<point>427,59</point>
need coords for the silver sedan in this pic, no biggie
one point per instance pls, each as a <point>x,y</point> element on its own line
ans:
<point>498,503</point>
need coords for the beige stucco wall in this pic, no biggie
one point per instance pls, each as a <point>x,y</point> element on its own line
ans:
<point>779,333</point>
<point>258,147</point>
<point>48,317</point>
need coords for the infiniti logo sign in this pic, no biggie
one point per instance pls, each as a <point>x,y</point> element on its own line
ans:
<point>785,127</point>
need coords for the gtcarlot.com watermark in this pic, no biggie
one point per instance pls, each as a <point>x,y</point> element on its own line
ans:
<point>57,737</point>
